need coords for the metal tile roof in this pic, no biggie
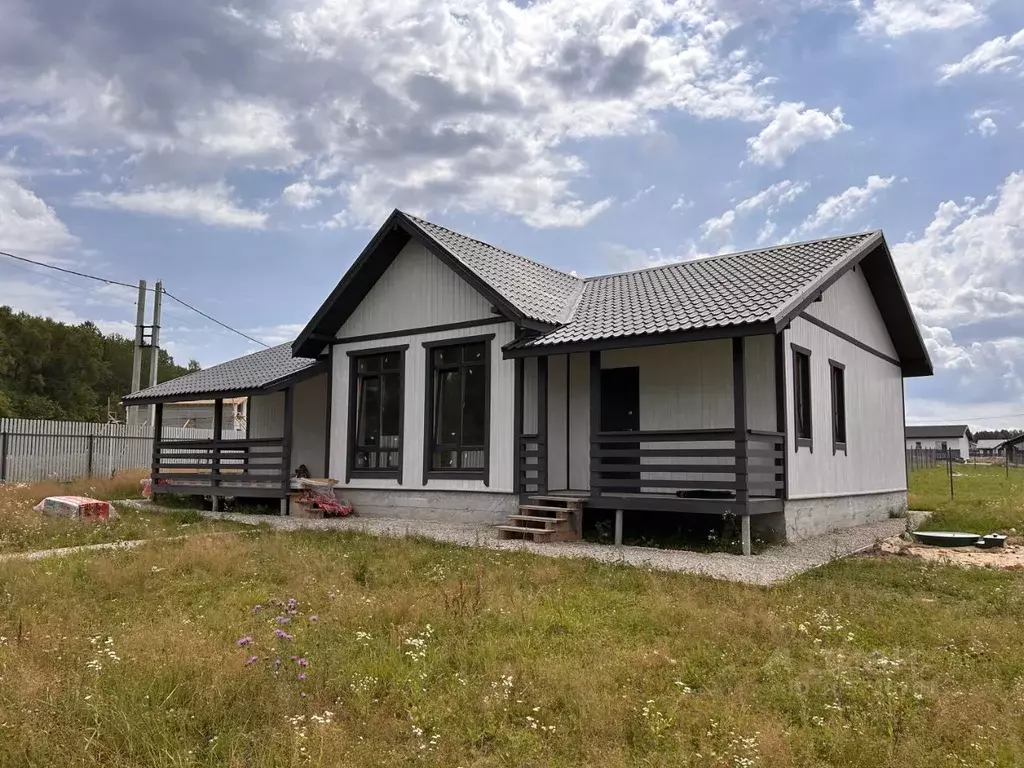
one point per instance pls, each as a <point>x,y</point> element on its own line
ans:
<point>732,289</point>
<point>937,430</point>
<point>540,292</point>
<point>253,371</point>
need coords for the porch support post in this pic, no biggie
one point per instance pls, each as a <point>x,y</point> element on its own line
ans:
<point>780,412</point>
<point>218,431</point>
<point>286,461</point>
<point>595,419</point>
<point>618,527</point>
<point>517,429</point>
<point>542,423</point>
<point>739,393</point>
<point>158,430</point>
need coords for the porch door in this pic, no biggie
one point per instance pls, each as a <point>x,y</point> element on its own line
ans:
<point>620,412</point>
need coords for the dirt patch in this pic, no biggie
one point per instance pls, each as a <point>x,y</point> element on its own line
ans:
<point>1010,557</point>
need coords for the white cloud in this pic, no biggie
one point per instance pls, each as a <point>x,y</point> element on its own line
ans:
<point>764,235</point>
<point>28,226</point>
<point>283,333</point>
<point>770,199</point>
<point>681,204</point>
<point>846,205</point>
<point>987,127</point>
<point>640,194</point>
<point>211,204</point>
<point>899,17</point>
<point>792,127</point>
<point>1001,54</point>
<point>303,195</point>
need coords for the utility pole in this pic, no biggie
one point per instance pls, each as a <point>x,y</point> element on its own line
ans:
<point>154,344</point>
<point>132,414</point>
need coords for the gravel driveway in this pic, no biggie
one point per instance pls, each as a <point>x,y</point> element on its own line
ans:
<point>772,566</point>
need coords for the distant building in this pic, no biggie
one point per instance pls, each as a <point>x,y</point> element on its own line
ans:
<point>941,437</point>
<point>198,414</point>
<point>988,446</point>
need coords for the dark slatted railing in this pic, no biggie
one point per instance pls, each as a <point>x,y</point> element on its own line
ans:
<point>239,467</point>
<point>692,461</point>
<point>533,464</point>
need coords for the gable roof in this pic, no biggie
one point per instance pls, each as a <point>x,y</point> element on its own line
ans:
<point>758,291</point>
<point>937,431</point>
<point>268,369</point>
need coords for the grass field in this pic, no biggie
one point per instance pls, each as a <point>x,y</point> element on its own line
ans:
<point>340,649</point>
<point>23,529</point>
<point>985,499</point>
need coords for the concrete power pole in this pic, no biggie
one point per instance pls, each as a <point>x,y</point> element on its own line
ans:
<point>154,344</point>
<point>132,414</point>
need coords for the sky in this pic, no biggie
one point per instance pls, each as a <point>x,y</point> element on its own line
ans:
<point>245,152</point>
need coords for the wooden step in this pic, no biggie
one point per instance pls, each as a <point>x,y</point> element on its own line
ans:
<point>542,508</point>
<point>536,534</point>
<point>570,502</point>
<point>535,519</point>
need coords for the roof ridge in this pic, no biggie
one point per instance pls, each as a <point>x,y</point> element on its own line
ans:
<point>419,219</point>
<point>731,254</point>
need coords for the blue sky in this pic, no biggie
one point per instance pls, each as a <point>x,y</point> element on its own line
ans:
<point>244,152</point>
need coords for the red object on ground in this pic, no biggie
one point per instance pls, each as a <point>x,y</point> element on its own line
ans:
<point>325,502</point>
<point>75,506</point>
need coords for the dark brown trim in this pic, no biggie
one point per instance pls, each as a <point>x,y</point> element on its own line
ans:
<point>517,426</point>
<point>286,448</point>
<point>903,404</point>
<point>158,437</point>
<point>782,423</point>
<point>646,340</point>
<point>351,472</point>
<point>595,416</point>
<point>218,434</point>
<point>653,503</point>
<point>328,410</point>
<point>847,337</point>
<point>739,400</point>
<point>802,442</point>
<point>568,417</point>
<point>429,473</point>
<point>542,419</point>
<point>836,445</point>
<point>248,416</point>
<point>419,331</point>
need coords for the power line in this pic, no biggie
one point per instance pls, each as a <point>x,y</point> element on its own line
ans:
<point>134,287</point>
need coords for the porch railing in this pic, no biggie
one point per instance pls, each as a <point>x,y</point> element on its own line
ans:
<point>532,471</point>
<point>694,463</point>
<point>254,467</point>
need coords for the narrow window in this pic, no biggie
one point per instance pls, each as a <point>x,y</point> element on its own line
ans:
<point>457,409</point>
<point>838,374</point>
<point>375,433</point>
<point>802,395</point>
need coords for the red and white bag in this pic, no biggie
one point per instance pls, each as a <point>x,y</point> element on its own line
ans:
<point>78,507</point>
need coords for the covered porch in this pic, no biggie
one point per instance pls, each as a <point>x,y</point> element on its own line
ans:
<point>689,427</point>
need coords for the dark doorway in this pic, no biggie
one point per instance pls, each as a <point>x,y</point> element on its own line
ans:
<point>620,412</point>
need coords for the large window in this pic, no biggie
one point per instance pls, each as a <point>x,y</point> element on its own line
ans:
<point>838,374</point>
<point>458,376</point>
<point>375,421</point>
<point>802,395</point>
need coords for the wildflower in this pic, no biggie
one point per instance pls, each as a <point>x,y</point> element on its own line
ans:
<point>282,635</point>
<point>250,661</point>
<point>243,641</point>
<point>303,662</point>
<point>282,620</point>
<point>302,675</point>
<point>314,618</point>
<point>257,608</point>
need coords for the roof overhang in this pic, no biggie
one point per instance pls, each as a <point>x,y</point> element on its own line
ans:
<point>367,269</point>
<point>269,387</point>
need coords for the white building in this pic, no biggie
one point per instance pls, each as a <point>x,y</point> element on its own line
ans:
<point>941,437</point>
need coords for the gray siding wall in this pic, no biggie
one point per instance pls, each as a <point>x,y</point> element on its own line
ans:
<point>501,438</point>
<point>849,306</point>
<point>579,422</point>
<point>415,291</point>
<point>309,422</point>
<point>874,461</point>
<point>266,415</point>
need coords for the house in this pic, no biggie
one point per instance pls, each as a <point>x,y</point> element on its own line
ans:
<point>988,446</point>
<point>447,378</point>
<point>198,414</point>
<point>941,437</point>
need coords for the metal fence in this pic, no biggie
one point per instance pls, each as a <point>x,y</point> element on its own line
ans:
<point>926,458</point>
<point>33,450</point>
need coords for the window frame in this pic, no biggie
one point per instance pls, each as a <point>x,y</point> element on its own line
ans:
<point>837,444</point>
<point>802,442</point>
<point>429,472</point>
<point>351,470</point>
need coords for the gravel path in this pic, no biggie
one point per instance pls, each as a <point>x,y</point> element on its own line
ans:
<point>776,564</point>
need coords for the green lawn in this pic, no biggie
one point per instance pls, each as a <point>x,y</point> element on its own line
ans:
<point>985,499</point>
<point>23,529</point>
<point>419,653</point>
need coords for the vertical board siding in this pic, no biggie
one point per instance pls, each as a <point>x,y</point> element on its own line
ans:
<point>850,306</point>
<point>501,459</point>
<point>309,425</point>
<point>874,458</point>
<point>557,433</point>
<point>415,291</point>
<point>579,422</point>
<point>36,450</point>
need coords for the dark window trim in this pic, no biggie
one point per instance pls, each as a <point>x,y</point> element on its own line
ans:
<point>802,442</point>
<point>837,446</point>
<point>429,473</point>
<point>353,378</point>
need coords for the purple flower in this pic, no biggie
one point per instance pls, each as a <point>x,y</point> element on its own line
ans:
<point>314,618</point>
<point>292,602</point>
<point>282,620</point>
<point>243,641</point>
<point>302,675</point>
<point>282,635</point>
<point>257,608</point>
<point>303,662</point>
<point>292,612</point>
<point>251,660</point>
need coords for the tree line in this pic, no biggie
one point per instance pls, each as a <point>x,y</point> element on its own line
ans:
<point>997,434</point>
<point>52,370</point>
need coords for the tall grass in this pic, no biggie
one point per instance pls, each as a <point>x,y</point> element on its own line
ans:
<point>334,649</point>
<point>986,498</point>
<point>22,528</point>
